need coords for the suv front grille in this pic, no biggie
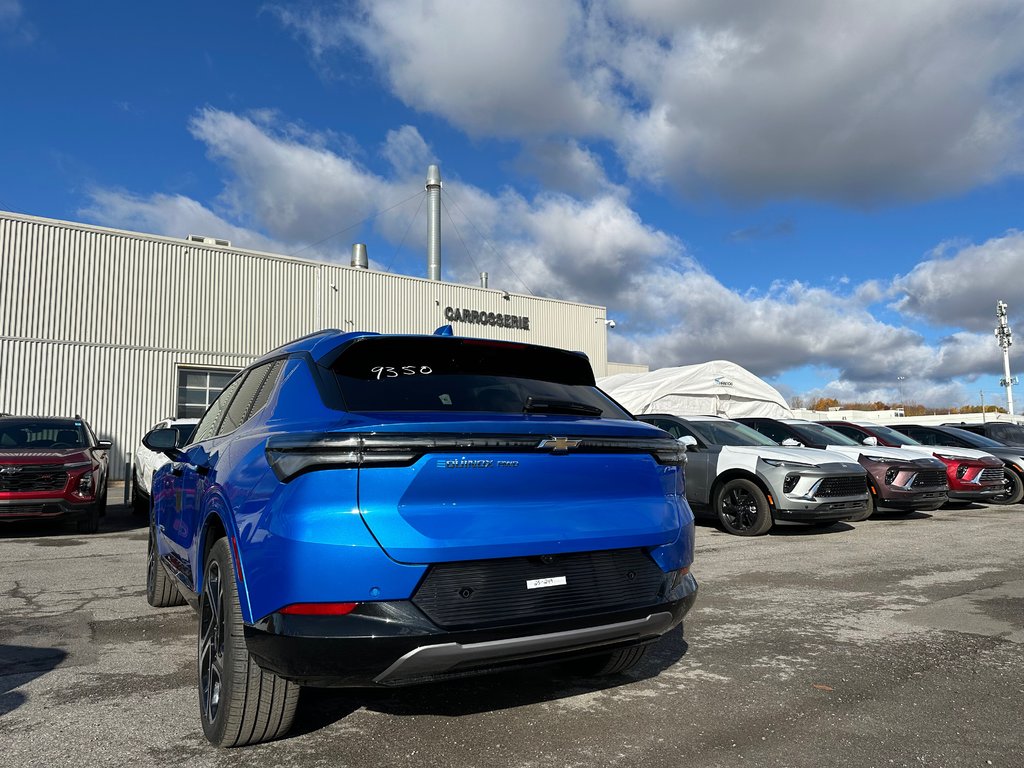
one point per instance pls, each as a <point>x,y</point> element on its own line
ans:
<point>34,478</point>
<point>929,477</point>
<point>850,485</point>
<point>993,475</point>
<point>494,592</point>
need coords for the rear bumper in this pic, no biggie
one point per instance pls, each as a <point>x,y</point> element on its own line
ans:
<point>48,509</point>
<point>393,643</point>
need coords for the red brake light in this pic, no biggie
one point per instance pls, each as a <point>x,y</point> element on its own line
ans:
<point>318,609</point>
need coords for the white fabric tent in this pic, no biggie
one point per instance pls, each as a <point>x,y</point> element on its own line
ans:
<point>714,388</point>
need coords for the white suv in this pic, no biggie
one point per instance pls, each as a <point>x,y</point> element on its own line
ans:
<point>146,461</point>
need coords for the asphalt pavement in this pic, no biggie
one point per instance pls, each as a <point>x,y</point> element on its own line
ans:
<point>892,642</point>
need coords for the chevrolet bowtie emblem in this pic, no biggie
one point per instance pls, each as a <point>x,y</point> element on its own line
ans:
<point>9,470</point>
<point>559,444</point>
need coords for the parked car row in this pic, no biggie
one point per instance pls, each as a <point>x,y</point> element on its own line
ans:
<point>752,472</point>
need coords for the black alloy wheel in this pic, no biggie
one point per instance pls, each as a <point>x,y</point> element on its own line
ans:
<point>742,508</point>
<point>1013,489</point>
<point>211,643</point>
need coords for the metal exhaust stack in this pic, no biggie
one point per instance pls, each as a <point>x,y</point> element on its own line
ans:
<point>359,258</point>
<point>483,279</point>
<point>433,223</point>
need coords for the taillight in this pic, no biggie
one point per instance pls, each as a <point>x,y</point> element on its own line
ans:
<point>673,455</point>
<point>318,609</point>
<point>292,455</point>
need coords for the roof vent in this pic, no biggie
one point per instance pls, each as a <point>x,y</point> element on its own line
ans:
<point>208,240</point>
<point>359,258</point>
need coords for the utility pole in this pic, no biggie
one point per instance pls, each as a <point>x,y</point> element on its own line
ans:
<point>1005,337</point>
<point>982,393</point>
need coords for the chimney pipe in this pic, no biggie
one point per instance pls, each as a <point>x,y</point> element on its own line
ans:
<point>433,223</point>
<point>359,258</point>
<point>483,279</point>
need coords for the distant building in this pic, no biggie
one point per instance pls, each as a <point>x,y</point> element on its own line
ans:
<point>125,328</point>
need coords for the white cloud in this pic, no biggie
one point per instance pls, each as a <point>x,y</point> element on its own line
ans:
<point>172,216</point>
<point>286,187</point>
<point>851,102</point>
<point>14,27</point>
<point>567,166</point>
<point>407,152</point>
<point>961,288</point>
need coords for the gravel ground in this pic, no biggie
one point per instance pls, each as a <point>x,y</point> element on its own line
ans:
<point>894,642</point>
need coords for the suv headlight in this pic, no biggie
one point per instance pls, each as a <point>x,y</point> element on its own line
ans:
<point>85,486</point>
<point>883,459</point>
<point>787,463</point>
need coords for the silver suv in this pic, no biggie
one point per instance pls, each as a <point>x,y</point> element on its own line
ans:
<point>749,481</point>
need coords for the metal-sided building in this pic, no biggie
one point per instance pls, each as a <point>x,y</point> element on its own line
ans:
<point>125,328</point>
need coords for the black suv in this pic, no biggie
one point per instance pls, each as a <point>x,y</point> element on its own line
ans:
<point>1000,431</point>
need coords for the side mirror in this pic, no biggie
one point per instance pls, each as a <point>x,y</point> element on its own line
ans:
<point>163,441</point>
<point>790,442</point>
<point>104,445</point>
<point>870,441</point>
<point>689,441</point>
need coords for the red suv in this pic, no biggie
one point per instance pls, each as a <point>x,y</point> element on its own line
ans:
<point>52,468</point>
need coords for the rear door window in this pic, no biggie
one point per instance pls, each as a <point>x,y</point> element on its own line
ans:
<point>252,396</point>
<point>451,374</point>
<point>207,427</point>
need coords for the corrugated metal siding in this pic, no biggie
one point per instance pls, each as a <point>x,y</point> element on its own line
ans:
<point>616,368</point>
<point>120,392</point>
<point>95,321</point>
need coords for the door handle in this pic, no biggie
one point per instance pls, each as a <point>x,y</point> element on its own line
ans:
<point>176,470</point>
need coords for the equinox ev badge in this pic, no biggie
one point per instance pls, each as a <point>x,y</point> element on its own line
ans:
<point>465,463</point>
<point>474,463</point>
<point>559,444</point>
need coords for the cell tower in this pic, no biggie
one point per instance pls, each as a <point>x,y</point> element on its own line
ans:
<point>1005,336</point>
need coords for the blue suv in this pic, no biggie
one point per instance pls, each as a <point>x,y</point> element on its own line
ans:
<point>360,509</point>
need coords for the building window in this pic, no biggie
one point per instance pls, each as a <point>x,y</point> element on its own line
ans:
<point>198,387</point>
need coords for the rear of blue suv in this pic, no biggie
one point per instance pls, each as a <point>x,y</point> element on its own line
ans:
<point>360,509</point>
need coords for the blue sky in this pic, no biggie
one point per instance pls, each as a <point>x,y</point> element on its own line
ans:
<point>828,193</point>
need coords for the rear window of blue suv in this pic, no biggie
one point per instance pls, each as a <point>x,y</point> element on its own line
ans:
<point>443,374</point>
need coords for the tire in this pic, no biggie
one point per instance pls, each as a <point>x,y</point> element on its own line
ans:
<point>91,522</point>
<point>862,516</point>
<point>1013,489</point>
<point>743,508</point>
<point>161,591</point>
<point>140,501</point>
<point>103,502</point>
<point>609,663</point>
<point>239,703</point>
